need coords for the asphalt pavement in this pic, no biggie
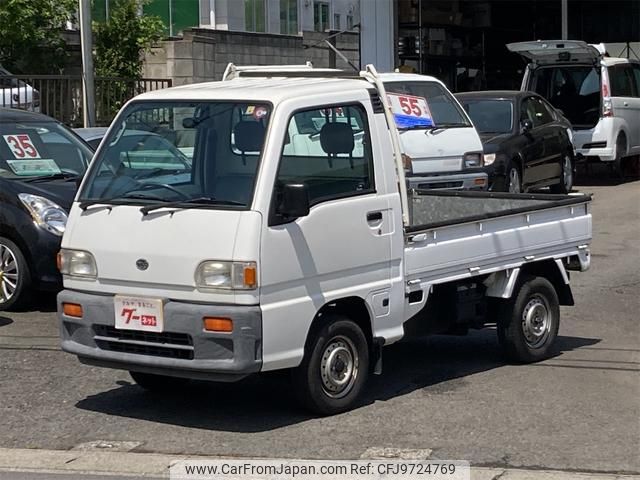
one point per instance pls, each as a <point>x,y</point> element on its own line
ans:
<point>453,397</point>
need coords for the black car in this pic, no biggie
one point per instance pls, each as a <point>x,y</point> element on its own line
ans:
<point>41,162</point>
<point>527,143</point>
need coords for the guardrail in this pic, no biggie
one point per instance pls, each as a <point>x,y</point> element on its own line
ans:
<point>60,96</point>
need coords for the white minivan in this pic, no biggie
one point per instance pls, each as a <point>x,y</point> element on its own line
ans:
<point>599,95</point>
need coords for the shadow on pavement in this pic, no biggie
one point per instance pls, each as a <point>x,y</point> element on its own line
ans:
<point>266,402</point>
<point>600,175</point>
<point>4,321</point>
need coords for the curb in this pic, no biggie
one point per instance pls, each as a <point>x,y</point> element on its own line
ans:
<point>141,465</point>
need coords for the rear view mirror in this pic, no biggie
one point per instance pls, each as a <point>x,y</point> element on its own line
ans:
<point>526,125</point>
<point>295,200</point>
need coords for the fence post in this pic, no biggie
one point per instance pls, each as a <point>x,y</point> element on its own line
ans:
<point>88,86</point>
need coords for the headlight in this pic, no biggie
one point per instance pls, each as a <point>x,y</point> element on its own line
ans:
<point>489,158</point>
<point>77,263</point>
<point>226,275</point>
<point>472,160</point>
<point>45,213</point>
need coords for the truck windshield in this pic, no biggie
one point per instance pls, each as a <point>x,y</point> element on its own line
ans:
<point>198,153</point>
<point>444,109</point>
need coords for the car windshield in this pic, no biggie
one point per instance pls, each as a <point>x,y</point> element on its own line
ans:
<point>489,115</point>
<point>444,110</point>
<point>189,152</point>
<point>40,149</point>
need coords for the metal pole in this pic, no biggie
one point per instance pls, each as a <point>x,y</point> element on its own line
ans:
<point>565,19</point>
<point>86,43</point>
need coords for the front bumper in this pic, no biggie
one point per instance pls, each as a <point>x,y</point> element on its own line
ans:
<point>476,180</point>
<point>184,349</point>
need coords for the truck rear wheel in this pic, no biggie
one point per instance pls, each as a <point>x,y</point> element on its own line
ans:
<point>528,323</point>
<point>335,367</point>
<point>158,383</point>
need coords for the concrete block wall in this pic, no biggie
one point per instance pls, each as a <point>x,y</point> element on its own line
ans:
<point>203,54</point>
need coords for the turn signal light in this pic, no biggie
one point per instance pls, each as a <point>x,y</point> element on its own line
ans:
<point>72,310</point>
<point>250,276</point>
<point>215,324</point>
<point>479,181</point>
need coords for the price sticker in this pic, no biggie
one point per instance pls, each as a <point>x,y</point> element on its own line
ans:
<point>409,111</point>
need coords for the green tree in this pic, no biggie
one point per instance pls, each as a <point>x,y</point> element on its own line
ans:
<point>121,41</point>
<point>31,34</point>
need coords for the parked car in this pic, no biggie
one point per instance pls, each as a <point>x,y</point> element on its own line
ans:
<point>40,163</point>
<point>15,93</point>
<point>600,95</point>
<point>527,143</point>
<point>92,135</point>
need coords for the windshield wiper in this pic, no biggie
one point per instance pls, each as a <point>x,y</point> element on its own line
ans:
<point>193,202</point>
<point>134,196</point>
<point>55,176</point>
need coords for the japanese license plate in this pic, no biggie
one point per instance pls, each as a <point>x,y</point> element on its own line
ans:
<point>136,313</point>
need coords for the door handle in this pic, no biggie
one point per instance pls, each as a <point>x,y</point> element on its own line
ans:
<point>374,217</point>
<point>626,104</point>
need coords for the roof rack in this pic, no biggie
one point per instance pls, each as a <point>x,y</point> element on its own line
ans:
<point>370,74</point>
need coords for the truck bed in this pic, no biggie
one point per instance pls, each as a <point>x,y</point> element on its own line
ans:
<point>454,235</point>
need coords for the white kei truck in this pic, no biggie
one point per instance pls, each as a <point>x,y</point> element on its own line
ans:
<point>264,253</point>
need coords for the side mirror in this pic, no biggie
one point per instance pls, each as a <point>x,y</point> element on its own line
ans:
<point>526,125</point>
<point>295,200</point>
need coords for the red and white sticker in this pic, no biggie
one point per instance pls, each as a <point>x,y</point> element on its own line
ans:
<point>409,105</point>
<point>21,146</point>
<point>144,314</point>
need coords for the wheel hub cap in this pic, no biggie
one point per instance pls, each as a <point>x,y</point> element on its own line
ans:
<point>536,322</point>
<point>8,274</point>
<point>339,367</point>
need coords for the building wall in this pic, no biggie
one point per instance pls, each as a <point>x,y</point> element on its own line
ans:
<point>202,54</point>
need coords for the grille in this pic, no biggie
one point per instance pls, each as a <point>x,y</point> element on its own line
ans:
<point>436,185</point>
<point>164,344</point>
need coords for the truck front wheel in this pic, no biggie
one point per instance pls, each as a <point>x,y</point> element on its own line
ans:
<point>335,367</point>
<point>528,323</point>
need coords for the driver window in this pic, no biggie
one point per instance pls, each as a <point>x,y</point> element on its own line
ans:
<point>329,150</point>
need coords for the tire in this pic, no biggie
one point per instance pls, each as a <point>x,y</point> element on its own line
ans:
<point>335,367</point>
<point>513,182</point>
<point>15,278</point>
<point>566,178</point>
<point>158,383</point>
<point>528,323</point>
<point>621,148</point>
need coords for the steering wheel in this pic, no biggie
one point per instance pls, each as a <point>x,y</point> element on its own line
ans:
<point>148,186</point>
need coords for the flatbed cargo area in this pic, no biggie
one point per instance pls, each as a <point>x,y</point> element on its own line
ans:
<point>432,209</point>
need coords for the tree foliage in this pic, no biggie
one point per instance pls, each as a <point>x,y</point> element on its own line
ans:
<point>120,42</point>
<point>30,34</point>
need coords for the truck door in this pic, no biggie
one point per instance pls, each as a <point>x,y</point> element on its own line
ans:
<point>342,248</point>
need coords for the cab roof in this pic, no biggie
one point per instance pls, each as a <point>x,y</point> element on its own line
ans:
<point>276,89</point>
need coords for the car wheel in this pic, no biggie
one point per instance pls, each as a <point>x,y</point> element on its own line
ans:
<point>15,278</point>
<point>566,178</point>
<point>528,323</point>
<point>514,181</point>
<point>158,383</point>
<point>621,148</point>
<point>335,367</point>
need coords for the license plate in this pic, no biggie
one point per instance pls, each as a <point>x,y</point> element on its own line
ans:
<point>136,313</point>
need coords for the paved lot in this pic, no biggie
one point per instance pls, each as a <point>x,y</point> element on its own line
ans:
<point>453,396</point>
